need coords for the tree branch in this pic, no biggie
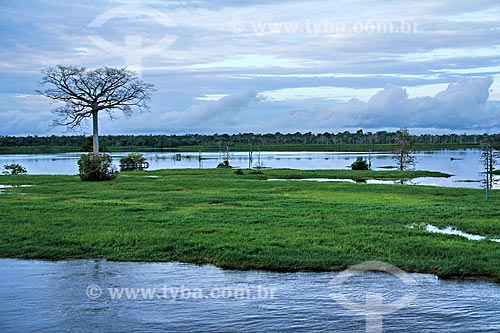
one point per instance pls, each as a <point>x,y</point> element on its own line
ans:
<point>85,91</point>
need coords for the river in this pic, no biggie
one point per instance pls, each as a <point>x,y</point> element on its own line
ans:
<point>80,296</point>
<point>464,165</point>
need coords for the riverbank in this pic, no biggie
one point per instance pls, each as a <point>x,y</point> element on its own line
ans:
<point>239,148</point>
<point>246,222</point>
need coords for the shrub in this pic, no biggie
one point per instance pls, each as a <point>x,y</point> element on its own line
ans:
<point>360,164</point>
<point>96,167</point>
<point>239,172</point>
<point>133,161</point>
<point>224,164</point>
<point>14,169</point>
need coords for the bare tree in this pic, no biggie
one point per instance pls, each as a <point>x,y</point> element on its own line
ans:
<point>489,158</point>
<point>405,156</point>
<point>86,92</point>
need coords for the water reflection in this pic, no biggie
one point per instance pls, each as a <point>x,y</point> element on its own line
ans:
<point>464,165</point>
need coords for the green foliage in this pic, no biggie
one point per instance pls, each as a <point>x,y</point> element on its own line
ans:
<point>360,164</point>
<point>349,174</point>
<point>96,167</point>
<point>14,169</point>
<point>133,161</point>
<point>239,172</point>
<point>341,141</point>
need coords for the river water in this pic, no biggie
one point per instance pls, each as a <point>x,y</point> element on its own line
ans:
<point>81,296</point>
<point>464,165</point>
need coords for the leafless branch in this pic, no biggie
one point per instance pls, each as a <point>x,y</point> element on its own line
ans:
<point>85,92</point>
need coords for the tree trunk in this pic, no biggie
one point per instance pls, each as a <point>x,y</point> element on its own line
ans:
<point>490,161</point>
<point>95,138</point>
<point>401,161</point>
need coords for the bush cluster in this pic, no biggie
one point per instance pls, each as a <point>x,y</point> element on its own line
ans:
<point>224,164</point>
<point>133,161</point>
<point>360,164</point>
<point>96,167</point>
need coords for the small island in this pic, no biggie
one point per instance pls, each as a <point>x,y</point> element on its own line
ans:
<point>240,220</point>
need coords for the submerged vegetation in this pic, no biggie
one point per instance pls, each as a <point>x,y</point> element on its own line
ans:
<point>14,169</point>
<point>133,161</point>
<point>245,222</point>
<point>360,164</point>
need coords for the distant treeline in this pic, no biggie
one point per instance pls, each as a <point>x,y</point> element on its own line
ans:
<point>238,140</point>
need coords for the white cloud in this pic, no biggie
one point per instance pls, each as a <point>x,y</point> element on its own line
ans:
<point>226,110</point>
<point>462,105</point>
<point>25,114</point>
<point>328,93</point>
<point>251,61</point>
<point>220,114</point>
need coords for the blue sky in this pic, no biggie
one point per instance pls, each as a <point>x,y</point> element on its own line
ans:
<point>229,66</point>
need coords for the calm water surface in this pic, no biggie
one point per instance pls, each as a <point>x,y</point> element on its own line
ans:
<point>41,296</point>
<point>464,164</point>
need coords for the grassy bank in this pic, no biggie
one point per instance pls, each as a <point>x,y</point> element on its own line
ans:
<point>38,149</point>
<point>329,147</point>
<point>243,148</point>
<point>245,222</point>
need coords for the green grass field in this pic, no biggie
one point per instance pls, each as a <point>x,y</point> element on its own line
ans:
<point>246,222</point>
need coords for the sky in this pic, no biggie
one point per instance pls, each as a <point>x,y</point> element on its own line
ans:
<point>265,66</point>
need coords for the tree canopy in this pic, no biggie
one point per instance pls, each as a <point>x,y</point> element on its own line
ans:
<point>86,92</point>
<point>405,156</point>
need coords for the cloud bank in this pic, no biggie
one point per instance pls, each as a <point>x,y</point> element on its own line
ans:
<point>227,113</point>
<point>226,110</point>
<point>462,105</point>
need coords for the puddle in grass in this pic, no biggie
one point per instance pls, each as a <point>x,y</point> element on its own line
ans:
<point>339,180</point>
<point>4,187</point>
<point>452,231</point>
